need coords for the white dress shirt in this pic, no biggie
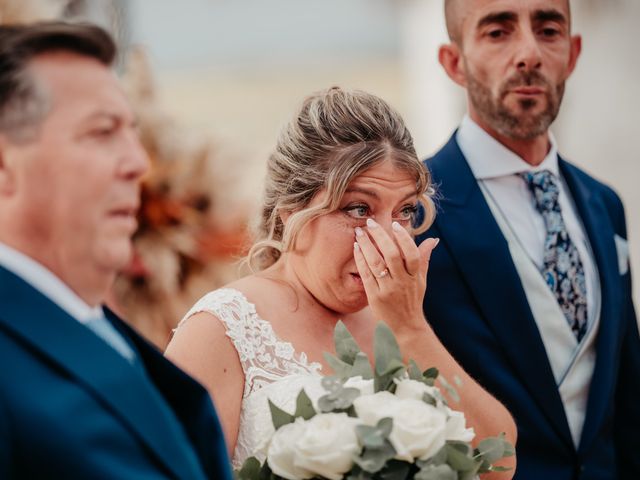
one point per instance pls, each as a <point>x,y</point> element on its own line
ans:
<point>498,169</point>
<point>47,283</point>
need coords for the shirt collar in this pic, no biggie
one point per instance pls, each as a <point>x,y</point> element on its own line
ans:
<point>488,158</point>
<point>44,280</point>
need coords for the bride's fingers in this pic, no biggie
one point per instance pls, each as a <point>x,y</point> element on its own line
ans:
<point>388,248</point>
<point>426,248</point>
<point>374,260</point>
<point>408,248</point>
<point>368,280</point>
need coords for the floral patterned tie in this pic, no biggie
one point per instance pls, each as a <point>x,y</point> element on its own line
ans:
<point>562,268</point>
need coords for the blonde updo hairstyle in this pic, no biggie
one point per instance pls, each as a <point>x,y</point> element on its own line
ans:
<point>336,136</point>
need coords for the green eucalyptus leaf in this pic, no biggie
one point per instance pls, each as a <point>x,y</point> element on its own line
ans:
<point>459,457</point>
<point>362,366</point>
<point>436,472</point>
<point>385,347</point>
<point>339,399</point>
<point>250,470</point>
<point>491,449</point>
<point>357,473</point>
<point>373,460</point>
<point>414,371</point>
<point>346,346</point>
<point>279,417</point>
<point>375,437</point>
<point>304,406</point>
<point>385,425</point>
<point>469,475</point>
<point>429,399</point>
<point>369,436</point>
<point>340,368</point>
<point>431,373</point>
<point>395,470</point>
<point>438,459</point>
<point>385,382</point>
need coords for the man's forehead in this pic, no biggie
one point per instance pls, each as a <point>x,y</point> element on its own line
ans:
<point>69,79</point>
<point>469,10</point>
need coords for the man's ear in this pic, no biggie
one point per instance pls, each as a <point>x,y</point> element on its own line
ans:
<point>7,183</point>
<point>450,58</point>
<point>574,52</point>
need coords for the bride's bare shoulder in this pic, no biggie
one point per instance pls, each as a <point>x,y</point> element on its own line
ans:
<point>261,289</point>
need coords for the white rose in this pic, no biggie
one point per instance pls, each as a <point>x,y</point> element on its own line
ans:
<point>365,386</point>
<point>327,445</point>
<point>418,428</point>
<point>456,428</point>
<point>281,453</point>
<point>407,388</point>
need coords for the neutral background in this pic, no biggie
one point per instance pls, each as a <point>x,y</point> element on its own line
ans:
<point>237,69</point>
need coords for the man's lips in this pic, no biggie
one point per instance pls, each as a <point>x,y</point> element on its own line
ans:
<point>528,90</point>
<point>124,211</point>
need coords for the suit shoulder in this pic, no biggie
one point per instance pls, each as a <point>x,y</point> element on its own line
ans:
<point>438,159</point>
<point>607,192</point>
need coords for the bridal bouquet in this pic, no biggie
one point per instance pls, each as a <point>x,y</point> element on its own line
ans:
<point>386,422</point>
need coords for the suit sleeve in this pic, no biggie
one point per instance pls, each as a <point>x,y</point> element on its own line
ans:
<point>5,441</point>
<point>627,418</point>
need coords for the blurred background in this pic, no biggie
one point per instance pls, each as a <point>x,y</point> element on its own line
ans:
<point>214,81</point>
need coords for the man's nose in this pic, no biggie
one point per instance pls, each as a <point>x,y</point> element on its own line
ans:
<point>135,160</point>
<point>529,55</point>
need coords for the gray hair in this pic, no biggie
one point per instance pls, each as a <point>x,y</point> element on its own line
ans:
<point>335,136</point>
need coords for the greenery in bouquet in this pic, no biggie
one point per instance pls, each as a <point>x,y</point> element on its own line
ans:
<point>389,422</point>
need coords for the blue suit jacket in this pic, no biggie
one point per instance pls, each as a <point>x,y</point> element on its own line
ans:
<point>72,407</point>
<point>477,307</point>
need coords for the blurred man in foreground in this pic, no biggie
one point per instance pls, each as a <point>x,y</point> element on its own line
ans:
<point>81,394</point>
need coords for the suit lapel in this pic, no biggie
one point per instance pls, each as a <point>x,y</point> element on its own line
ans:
<point>599,229</point>
<point>482,255</point>
<point>113,381</point>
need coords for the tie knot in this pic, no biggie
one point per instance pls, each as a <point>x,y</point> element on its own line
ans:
<point>544,187</point>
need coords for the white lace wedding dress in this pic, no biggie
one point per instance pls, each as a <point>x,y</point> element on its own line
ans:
<point>272,368</point>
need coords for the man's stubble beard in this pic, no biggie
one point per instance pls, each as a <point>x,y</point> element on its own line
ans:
<point>522,125</point>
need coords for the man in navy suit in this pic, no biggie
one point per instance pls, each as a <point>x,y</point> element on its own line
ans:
<point>530,287</point>
<point>81,394</point>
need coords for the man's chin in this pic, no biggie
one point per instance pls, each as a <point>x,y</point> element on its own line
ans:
<point>117,257</point>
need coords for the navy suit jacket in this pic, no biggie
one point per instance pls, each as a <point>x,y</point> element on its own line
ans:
<point>476,304</point>
<point>72,407</point>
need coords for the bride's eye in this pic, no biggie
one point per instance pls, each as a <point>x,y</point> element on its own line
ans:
<point>359,211</point>
<point>407,213</point>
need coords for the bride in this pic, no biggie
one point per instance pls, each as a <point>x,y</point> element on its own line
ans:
<point>335,242</point>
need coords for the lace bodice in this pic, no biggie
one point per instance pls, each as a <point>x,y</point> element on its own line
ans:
<point>272,368</point>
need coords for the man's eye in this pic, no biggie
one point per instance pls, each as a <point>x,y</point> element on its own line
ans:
<point>496,33</point>
<point>549,32</point>
<point>102,132</point>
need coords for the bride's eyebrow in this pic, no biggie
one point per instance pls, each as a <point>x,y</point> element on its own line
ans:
<point>375,195</point>
<point>363,191</point>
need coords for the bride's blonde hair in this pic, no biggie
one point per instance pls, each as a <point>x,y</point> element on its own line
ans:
<point>335,136</point>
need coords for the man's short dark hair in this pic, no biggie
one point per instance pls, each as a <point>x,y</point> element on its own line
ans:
<point>22,104</point>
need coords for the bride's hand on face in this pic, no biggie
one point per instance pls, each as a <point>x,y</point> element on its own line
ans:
<point>394,274</point>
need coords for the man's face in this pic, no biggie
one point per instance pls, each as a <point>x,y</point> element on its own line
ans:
<point>516,57</point>
<point>77,183</point>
